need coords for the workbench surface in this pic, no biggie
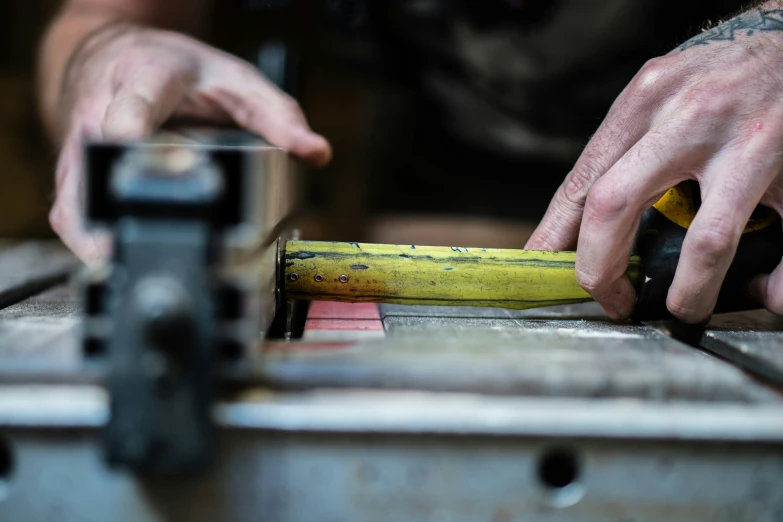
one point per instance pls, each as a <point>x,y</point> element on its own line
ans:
<point>418,408</point>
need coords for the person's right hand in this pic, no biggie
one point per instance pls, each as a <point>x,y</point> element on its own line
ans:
<point>125,81</point>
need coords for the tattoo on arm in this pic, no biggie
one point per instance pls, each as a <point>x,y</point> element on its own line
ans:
<point>745,24</point>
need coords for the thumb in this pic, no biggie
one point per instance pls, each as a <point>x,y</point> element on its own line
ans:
<point>128,117</point>
<point>143,102</point>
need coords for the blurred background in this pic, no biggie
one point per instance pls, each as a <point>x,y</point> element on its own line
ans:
<point>452,121</point>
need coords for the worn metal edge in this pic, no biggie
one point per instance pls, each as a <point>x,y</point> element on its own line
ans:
<point>766,371</point>
<point>421,413</point>
<point>699,337</point>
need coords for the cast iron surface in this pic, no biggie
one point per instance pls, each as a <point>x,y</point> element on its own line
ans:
<point>532,353</point>
<point>29,267</point>
<point>705,451</point>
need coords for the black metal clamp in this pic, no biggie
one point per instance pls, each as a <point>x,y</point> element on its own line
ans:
<point>162,303</point>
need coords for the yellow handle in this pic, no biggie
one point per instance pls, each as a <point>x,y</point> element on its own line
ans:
<point>679,205</point>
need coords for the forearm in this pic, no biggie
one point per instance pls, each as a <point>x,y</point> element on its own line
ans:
<point>78,20</point>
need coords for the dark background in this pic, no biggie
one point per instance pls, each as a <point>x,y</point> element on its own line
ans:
<point>356,67</point>
<point>26,158</point>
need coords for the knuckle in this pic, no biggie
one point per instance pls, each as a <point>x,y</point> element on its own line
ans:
<point>713,107</point>
<point>578,182</point>
<point>704,104</point>
<point>604,203</point>
<point>688,113</point>
<point>590,281</point>
<point>713,240</point>
<point>541,241</point>
<point>248,114</point>
<point>651,76</point>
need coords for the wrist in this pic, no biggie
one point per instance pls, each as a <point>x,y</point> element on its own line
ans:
<point>73,31</point>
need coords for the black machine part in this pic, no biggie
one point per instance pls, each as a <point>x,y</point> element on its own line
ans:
<point>167,208</point>
<point>659,243</point>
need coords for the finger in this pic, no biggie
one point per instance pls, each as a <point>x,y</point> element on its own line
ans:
<point>559,227</point>
<point>628,120</point>
<point>731,189</point>
<point>144,97</point>
<point>613,209</point>
<point>768,289</point>
<point>259,106</point>
<point>66,216</point>
<point>134,103</point>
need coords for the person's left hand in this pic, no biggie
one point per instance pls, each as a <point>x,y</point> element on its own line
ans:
<point>711,110</point>
<point>127,80</point>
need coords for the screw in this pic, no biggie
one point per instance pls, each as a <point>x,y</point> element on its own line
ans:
<point>293,276</point>
<point>318,278</point>
<point>343,278</point>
